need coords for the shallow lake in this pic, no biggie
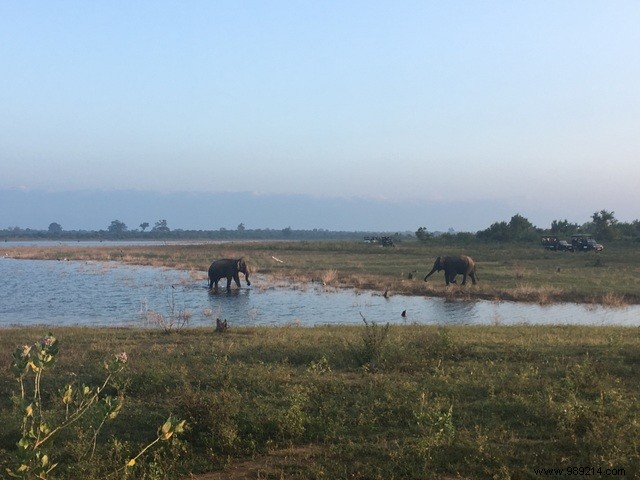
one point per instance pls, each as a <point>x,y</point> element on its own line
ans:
<point>110,294</point>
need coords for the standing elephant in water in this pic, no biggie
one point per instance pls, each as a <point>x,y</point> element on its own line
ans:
<point>454,265</point>
<point>229,268</point>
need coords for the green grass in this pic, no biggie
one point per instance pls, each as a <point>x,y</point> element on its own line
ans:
<point>440,402</point>
<point>488,402</point>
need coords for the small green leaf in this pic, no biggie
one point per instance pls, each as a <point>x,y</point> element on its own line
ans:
<point>115,411</point>
<point>167,426</point>
<point>179,428</point>
<point>67,396</point>
<point>166,430</point>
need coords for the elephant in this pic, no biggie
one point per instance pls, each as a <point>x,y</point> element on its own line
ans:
<point>229,268</point>
<point>454,265</point>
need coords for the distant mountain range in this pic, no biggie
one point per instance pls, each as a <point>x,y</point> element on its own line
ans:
<point>95,210</point>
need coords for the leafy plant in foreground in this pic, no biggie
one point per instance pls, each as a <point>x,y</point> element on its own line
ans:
<point>40,426</point>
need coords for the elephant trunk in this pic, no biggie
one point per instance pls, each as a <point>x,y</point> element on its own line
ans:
<point>430,273</point>
<point>242,268</point>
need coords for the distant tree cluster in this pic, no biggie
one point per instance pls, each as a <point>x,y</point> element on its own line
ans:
<point>518,229</point>
<point>603,226</point>
<point>118,230</point>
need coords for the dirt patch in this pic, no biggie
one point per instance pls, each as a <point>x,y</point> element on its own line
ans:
<point>287,463</point>
<point>278,464</point>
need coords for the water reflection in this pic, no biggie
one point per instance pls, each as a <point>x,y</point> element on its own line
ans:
<point>107,293</point>
<point>455,312</point>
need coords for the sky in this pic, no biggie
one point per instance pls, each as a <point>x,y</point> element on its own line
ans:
<point>531,105</point>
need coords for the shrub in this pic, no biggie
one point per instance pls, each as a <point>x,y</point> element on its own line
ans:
<point>43,420</point>
<point>370,354</point>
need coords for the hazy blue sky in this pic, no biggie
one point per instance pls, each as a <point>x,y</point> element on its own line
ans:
<point>535,104</point>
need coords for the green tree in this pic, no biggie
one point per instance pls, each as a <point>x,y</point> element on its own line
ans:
<point>518,229</point>
<point>423,234</point>
<point>144,226</point>
<point>55,228</point>
<point>629,231</point>
<point>604,225</point>
<point>117,227</point>
<point>498,231</point>
<point>521,229</point>
<point>563,227</point>
<point>161,226</point>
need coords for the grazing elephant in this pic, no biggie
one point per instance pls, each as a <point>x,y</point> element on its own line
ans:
<point>228,268</point>
<point>454,265</point>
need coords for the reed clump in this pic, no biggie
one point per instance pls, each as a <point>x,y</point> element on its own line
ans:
<point>543,295</point>
<point>611,299</point>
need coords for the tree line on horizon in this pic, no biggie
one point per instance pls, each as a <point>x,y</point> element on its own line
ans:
<point>603,225</point>
<point>118,230</point>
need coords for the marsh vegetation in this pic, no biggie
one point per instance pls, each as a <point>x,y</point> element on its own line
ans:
<point>519,272</point>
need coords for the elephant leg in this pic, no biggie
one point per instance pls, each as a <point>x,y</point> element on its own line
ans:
<point>464,278</point>
<point>236,278</point>
<point>473,277</point>
<point>446,278</point>
<point>215,288</point>
<point>228,284</point>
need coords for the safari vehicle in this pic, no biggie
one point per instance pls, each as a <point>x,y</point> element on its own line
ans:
<point>551,242</point>
<point>564,246</point>
<point>384,241</point>
<point>585,243</point>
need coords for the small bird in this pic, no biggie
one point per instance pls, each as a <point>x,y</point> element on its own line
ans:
<point>404,314</point>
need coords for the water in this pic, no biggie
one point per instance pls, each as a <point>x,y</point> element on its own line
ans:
<point>110,294</point>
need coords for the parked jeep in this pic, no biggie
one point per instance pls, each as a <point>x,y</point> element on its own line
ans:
<point>549,242</point>
<point>585,243</point>
<point>564,246</point>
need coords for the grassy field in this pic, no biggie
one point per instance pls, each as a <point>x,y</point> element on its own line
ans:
<point>506,272</point>
<point>349,402</point>
<point>353,402</point>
